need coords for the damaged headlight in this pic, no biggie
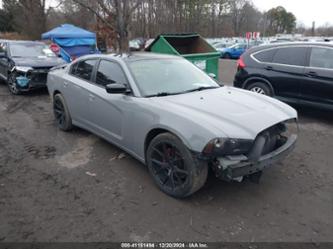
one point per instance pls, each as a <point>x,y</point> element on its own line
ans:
<point>23,69</point>
<point>22,76</point>
<point>288,128</point>
<point>227,146</point>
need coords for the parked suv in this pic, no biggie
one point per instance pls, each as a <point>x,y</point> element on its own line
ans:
<point>24,64</point>
<point>292,72</point>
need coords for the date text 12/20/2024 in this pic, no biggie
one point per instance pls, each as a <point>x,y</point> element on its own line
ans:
<point>163,245</point>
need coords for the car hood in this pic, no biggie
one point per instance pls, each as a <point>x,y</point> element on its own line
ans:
<point>229,111</point>
<point>38,61</point>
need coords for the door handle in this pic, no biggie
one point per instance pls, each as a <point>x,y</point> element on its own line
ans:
<point>311,74</point>
<point>65,83</point>
<point>269,68</point>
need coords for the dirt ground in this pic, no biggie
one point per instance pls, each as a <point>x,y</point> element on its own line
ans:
<point>57,186</point>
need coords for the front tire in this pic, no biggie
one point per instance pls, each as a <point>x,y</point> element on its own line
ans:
<point>260,88</point>
<point>12,85</point>
<point>61,113</point>
<point>173,167</point>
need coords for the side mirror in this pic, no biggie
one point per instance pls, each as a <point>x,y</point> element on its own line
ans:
<point>117,88</point>
<point>212,75</point>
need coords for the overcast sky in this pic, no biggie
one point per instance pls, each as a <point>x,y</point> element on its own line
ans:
<point>305,11</point>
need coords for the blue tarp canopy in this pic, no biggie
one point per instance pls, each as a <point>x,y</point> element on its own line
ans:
<point>68,35</point>
<point>73,41</point>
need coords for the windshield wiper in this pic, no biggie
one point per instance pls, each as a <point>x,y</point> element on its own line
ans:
<point>201,88</point>
<point>160,94</point>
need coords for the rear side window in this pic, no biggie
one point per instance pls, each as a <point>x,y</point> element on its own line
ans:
<point>84,69</point>
<point>294,56</point>
<point>321,58</point>
<point>265,56</point>
<point>109,72</point>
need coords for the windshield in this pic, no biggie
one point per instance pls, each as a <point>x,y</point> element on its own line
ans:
<point>169,76</point>
<point>30,50</point>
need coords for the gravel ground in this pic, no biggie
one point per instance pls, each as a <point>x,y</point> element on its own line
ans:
<point>57,186</point>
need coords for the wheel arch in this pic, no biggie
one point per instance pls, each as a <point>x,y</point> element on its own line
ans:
<point>258,79</point>
<point>157,131</point>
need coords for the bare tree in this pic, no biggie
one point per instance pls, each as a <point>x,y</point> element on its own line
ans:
<point>117,21</point>
<point>115,14</point>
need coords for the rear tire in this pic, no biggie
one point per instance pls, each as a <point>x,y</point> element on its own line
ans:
<point>61,113</point>
<point>174,169</point>
<point>260,88</point>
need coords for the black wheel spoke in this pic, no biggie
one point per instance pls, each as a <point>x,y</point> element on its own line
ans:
<point>177,176</point>
<point>173,185</point>
<point>179,159</point>
<point>162,164</point>
<point>166,180</point>
<point>158,171</point>
<point>181,171</point>
<point>57,111</point>
<point>158,152</point>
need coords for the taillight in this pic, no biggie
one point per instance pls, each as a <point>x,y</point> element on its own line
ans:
<point>241,63</point>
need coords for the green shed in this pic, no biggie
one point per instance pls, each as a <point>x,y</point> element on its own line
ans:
<point>190,46</point>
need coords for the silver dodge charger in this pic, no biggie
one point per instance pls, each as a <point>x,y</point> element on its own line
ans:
<point>173,117</point>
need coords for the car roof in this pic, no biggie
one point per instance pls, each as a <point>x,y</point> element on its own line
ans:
<point>290,44</point>
<point>23,42</point>
<point>133,56</point>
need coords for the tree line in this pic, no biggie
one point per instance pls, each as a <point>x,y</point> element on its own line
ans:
<point>121,20</point>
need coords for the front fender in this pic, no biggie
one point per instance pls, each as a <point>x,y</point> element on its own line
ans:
<point>193,135</point>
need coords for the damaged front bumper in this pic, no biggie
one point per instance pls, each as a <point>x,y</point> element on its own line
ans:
<point>32,79</point>
<point>235,167</point>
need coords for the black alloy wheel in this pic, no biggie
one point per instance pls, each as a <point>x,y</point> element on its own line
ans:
<point>174,169</point>
<point>61,113</point>
<point>168,166</point>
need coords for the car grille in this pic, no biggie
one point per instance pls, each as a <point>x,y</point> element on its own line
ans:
<point>39,75</point>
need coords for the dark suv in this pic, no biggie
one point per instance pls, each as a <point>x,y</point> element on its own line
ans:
<point>24,64</point>
<point>292,72</point>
